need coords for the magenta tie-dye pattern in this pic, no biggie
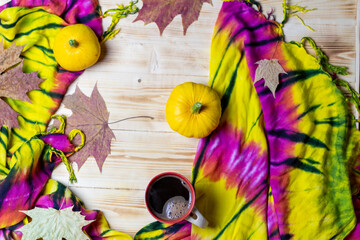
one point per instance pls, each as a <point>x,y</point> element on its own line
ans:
<point>72,11</point>
<point>25,181</point>
<point>225,158</point>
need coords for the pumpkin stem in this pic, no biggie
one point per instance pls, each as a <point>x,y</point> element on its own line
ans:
<point>73,43</point>
<point>195,109</point>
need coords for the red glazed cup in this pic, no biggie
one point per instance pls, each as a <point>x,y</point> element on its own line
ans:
<point>160,194</point>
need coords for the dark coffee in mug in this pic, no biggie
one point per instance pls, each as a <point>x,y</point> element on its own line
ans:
<point>169,197</point>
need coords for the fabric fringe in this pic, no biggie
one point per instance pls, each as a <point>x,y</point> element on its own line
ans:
<point>116,14</point>
<point>292,10</point>
<point>334,71</point>
<point>71,136</point>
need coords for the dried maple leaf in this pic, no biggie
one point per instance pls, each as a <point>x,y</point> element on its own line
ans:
<point>14,83</point>
<point>162,12</point>
<point>90,115</point>
<point>8,115</point>
<point>9,57</point>
<point>269,70</point>
<point>52,224</point>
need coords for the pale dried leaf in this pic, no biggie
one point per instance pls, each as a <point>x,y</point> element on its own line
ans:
<point>269,70</point>
<point>52,224</point>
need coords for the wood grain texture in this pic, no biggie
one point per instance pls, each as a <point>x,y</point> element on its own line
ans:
<point>136,73</point>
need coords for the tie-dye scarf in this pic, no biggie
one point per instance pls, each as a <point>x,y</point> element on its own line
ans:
<point>26,160</point>
<point>27,185</point>
<point>36,29</point>
<point>276,168</point>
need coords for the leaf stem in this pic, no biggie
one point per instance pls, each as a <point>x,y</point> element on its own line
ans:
<point>124,119</point>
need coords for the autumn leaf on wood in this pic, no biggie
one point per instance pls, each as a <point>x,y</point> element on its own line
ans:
<point>14,83</point>
<point>52,224</point>
<point>162,12</point>
<point>90,115</point>
<point>269,70</point>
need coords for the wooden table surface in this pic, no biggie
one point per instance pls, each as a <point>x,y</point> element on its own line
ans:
<point>136,73</point>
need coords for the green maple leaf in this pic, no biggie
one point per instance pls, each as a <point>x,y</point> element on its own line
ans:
<point>269,70</point>
<point>52,224</point>
<point>162,12</point>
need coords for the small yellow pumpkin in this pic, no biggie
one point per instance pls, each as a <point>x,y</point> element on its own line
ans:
<point>76,47</point>
<point>193,110</point>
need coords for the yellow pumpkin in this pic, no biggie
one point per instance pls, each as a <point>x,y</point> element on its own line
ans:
<point>193,110</point>
<point>76,47</point>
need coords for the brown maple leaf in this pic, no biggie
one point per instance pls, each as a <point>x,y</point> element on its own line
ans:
<point>162,12</point>
<point>90,115</point>
<point>8,115</point>
<point>14,83</point>
<point>9,57</point>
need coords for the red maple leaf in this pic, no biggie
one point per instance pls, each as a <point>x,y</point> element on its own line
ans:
<point>162,12</point>
<point>90,115</point>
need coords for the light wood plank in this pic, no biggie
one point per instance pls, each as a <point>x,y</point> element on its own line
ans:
<point>136,157</point>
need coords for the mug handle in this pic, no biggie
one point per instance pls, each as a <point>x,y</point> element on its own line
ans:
<point>197,219</point>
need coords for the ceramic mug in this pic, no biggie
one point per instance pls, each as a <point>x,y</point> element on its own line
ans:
<point>170,198</point>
